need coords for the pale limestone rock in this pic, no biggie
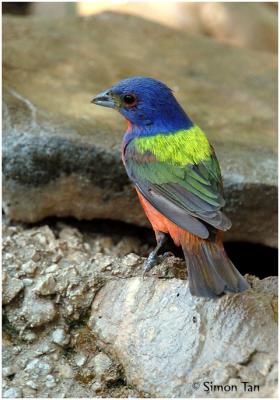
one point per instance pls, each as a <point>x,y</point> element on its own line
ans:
<point>11,287</point>
<point>169,341</point>
<point>60,337</point>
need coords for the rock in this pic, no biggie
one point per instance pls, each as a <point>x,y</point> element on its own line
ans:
<point>32,385</point>
<point>8,371</point>
<point>61,155</point>
<point>105,370</point>
<point>29,268</point>
<point>17,350</point>
<point>12,392</point>
<point>101,363</point>
<point>46,285</point>
<point>60,337</point>
<point>128,245</point>
<point>11,287</point>
<point>33,312</point>
<point>52,268</point>
<point>170,343</point>
<point>4,383</point>
<point>131,260</point>
<point>250,25</point>
<point>96,387</point>
<point>27,282</point>
<point>134,323</point>
<point>37,312</point>
<point>66,371</point>
<point>80,360</point>
<point>29,336</point>
<point>37,367</point>
<point>50,381</point>
<point>45,348</point>
<point>71,277</point>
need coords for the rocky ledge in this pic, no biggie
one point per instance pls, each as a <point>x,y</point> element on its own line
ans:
<point>80,321</point>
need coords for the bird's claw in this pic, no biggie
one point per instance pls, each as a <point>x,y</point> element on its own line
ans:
<point>149,263</point>
<point>167,254</point>
<point>152,261</point>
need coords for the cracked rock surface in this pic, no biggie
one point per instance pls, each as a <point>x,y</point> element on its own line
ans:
<point>61,155</point>
<point>167,340</point>
<point>50,279</point>
<point>80,321</point>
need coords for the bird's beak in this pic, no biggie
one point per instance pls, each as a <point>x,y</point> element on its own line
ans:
<point>104,99</point>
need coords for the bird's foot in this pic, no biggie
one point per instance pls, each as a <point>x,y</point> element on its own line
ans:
<point>150,263</point>
<point>153,260</point>
<point>167,254</point>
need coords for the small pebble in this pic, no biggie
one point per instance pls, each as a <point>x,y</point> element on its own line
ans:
<point>52,268</point>
<point>96,387</point>
<point>36,256</point>
<point>8,371</point>
<point>87,246</point>
<point>80,360</point>
<point>115,272</point>
<point>4,383</point>
<point>29,336</point>
<point>37,311</point>
<point>101,363</point>
<point>32,365</point>
<point>131,259</point>
<point>8,257</point>
<point>60,337</point>
<point>17,349</point>
<point>46,285</point>
<point>41,239</point>
<point>69,309</point>
<point>11,287</point>
<point>55,356</point>
<point>36,366</point>
<point>45,368</point>
<point>50,381</point>
<point>20,363</point>
<point>76,315</point>
<point>31,384</point>
<point>12,392</point>
<point>44,349</point>
<point>29,267</point>
<point>65,371</point>
<point>27,282</point>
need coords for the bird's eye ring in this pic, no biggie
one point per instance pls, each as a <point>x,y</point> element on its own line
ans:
<point>129,100</point>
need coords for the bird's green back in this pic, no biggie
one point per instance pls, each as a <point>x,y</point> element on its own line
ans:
<point>186,146</point>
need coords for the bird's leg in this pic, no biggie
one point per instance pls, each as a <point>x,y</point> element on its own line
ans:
<point>153,256</point>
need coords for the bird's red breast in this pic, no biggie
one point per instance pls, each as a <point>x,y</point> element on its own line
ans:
<point>160,223</point>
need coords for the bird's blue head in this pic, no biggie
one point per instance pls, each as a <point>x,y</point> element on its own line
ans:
<point>148,104</point>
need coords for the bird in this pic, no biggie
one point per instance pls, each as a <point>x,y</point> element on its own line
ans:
<point>177,177</point>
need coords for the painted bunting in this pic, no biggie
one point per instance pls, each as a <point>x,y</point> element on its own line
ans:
<point>178,180</point>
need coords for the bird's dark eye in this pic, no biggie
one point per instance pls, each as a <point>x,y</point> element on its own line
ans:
<point>129,100</point>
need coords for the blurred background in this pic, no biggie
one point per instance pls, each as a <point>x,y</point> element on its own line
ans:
<point>252,25</point>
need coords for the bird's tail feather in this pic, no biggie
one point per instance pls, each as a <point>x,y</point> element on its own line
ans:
<point>211,272</point>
